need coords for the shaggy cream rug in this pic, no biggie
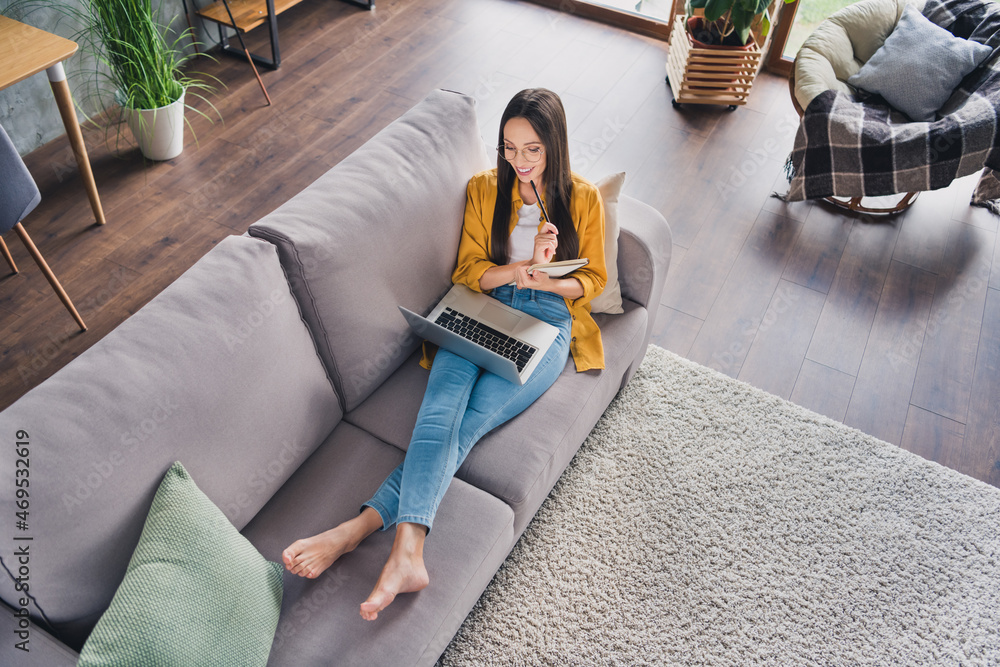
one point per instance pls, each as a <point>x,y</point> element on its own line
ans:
<point>705,522</point>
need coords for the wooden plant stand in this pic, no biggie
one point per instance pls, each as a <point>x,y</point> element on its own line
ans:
<point>709,76</point>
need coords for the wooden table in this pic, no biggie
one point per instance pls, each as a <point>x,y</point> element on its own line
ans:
<point>26,51</point>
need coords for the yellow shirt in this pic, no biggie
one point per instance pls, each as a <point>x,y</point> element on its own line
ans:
<point>587,213</point>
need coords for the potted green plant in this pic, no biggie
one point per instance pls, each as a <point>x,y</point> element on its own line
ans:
<point>145,71</point>
<point>135,67</point>
<point>728,22</point>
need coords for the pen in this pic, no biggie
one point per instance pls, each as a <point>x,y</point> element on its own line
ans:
<point>540,204</point>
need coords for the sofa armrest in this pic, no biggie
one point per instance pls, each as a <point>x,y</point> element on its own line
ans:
<point>644,247</point>
<point>43,648</point>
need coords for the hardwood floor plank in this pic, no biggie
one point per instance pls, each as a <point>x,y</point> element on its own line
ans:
<point>819,249</point>
<point>769,93</point>
<point>621,58</point>
<point>695,118</point>
<point>349,135</point>
<point>449,55</point>
<point>881,397</point>
<point>374,78</point>
<point>722,234</point>
<point>200,166</point>
<point>844,326</point>
<point>925,232</point>
<point>675,331</point>
<point>739,311</point>
<point>556,59</point>
<point>658,168</point>
<point>780,343</point>
<point>980,456</point>
<point>624,95</point>
<point>776,136</point>
<point>22,291</point>
<point>934,437</point>
<point>698,281</point>
<point>99,241</point>
<point>943,382</point>
<point>823,389</point>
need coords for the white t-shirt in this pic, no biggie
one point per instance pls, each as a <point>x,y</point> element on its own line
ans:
<point>522,239</point>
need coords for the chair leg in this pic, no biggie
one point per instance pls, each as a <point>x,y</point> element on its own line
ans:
<point>246,51</point>
<point>6,255</point>
<point>37,256</point>
<point>854,204</point>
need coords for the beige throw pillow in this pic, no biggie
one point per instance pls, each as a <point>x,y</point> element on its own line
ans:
<point>610,300</point>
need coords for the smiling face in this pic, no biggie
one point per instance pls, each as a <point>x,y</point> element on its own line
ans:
<point>519,135</point>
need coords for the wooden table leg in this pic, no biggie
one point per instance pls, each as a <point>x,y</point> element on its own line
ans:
<point>64,100</point>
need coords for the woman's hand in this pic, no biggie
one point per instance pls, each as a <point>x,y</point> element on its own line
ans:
<point>545,244</point>
<point>569,288</point>
<point>496,276</point>
<point>532,279</point>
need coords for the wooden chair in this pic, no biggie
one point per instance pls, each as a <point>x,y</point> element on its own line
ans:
<point>19,196</point>
<point>242,16</point>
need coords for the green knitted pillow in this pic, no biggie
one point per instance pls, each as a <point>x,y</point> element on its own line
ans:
<point>196,592</point>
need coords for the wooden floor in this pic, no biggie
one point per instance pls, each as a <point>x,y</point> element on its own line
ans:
<point>892,327</point>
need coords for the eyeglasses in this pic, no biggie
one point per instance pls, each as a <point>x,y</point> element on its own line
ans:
<point>531,153</point>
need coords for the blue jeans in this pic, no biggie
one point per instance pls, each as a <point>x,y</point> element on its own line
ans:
<point>463,403</point>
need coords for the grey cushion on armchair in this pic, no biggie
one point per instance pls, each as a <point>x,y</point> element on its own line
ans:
<point>919,85</point>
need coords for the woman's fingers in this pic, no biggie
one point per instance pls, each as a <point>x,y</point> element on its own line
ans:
<point>546,243</point>
<point>530,280</point>
<point>521,276</point>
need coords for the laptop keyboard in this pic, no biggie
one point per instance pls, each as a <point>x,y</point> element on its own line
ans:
<point>511,348</point>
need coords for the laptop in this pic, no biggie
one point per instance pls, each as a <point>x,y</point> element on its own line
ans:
<point>495,337</point>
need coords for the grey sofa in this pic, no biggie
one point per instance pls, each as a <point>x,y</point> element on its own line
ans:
<point>279,372</point>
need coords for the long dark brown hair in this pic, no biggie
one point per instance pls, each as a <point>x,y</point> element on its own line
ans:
<point>544,111</point>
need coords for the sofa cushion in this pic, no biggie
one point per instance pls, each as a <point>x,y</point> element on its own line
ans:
<point>346,240</point>
<point>919,85</point>
<point>610,299</point>
<point>521,460</point>
<point>218,371</point>
<point>196,591</point>
<point>320,622</point>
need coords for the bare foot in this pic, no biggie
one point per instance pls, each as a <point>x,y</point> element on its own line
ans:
<point>310,557</point>
<point>404,572</point>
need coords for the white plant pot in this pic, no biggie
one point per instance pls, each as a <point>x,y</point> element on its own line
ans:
<point>159,132</point>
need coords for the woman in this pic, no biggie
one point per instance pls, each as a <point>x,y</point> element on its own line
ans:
<point>504,233</point>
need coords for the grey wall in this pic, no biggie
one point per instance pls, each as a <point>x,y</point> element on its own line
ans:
<point>27,109</point>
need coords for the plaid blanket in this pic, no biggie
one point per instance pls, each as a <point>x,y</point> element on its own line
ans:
<point>852,147</point>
